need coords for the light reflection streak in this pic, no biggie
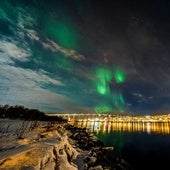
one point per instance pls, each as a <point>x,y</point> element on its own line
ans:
<point>108,126</point>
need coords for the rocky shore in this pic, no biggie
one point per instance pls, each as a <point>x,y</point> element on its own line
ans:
<point>96,156</point>
<point>57,146</point>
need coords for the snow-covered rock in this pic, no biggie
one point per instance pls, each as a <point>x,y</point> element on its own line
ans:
<point>38,149</point>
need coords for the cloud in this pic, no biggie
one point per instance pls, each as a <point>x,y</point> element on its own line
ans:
<point>25,18</point>
<point>25,26</point>
<point>138,95</point>
<point>143,98</point>
<point>38,98</point>
<point>12,50</point>
<point>24,87</point>
<point>32,34</point>
<point>16,76</point>
<point>5,59</point>
<point>54,47</point>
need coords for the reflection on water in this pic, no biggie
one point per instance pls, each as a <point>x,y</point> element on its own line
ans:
<point>142,144</point>
<point>108,126</point>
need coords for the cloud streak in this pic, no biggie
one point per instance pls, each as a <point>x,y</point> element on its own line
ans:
<point>54,47</point>
<point>16,76</point>
<point>13,50</point>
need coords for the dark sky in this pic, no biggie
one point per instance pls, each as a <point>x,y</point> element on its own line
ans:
<point>86,56</point>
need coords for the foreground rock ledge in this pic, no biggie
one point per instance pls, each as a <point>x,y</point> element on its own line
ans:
<point>57,147</point>
<point>47,150</point>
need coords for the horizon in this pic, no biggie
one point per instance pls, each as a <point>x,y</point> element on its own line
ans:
<point>91,113</point>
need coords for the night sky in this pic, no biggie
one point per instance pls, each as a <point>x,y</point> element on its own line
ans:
<point>82,56</point>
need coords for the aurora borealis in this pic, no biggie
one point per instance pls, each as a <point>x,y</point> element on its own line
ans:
<point>104,78</point>
<point>85,56</point>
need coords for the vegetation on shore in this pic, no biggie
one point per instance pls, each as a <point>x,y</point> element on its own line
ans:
<point>24,113</point>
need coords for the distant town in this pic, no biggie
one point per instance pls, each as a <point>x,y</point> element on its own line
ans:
<point>114,118</point>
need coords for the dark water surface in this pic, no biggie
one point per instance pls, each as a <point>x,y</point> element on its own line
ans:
<point>144,146</point>
<point>141,150</point>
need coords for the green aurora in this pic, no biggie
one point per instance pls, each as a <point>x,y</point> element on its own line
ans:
<point>104,77</point>
<point>62,32</point>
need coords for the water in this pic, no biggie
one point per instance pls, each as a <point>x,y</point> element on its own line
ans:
<point>143,145</point>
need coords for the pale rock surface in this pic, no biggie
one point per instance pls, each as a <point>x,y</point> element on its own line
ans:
<point>39,149</point>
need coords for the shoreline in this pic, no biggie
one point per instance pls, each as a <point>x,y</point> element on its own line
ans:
<point>97,156</point>
<point>57,146</point>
